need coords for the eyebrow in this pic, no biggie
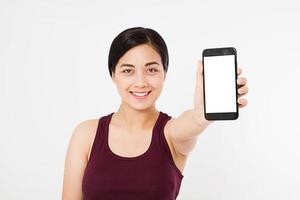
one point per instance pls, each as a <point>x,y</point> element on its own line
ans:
<point>130,65</point>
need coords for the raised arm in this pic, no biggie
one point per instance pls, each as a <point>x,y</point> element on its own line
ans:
<point>185,129</point>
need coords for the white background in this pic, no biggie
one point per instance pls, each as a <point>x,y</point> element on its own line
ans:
<point>53,75</point>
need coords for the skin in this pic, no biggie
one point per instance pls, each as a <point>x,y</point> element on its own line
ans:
<point>131,126</point>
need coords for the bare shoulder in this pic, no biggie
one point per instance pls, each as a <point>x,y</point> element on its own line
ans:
<point>85,132</point>
<point>87,127</point>
<point>76,158</point>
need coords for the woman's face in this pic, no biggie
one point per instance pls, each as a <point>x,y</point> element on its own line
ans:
<point>139,77</point>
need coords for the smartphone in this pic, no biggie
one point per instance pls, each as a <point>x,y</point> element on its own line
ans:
<point>220,83</point>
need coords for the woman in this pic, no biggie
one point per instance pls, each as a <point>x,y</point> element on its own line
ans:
<point>137,152</point>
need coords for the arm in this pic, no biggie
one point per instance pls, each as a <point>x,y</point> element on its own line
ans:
<point>76,160</point>
<point>185,129</point>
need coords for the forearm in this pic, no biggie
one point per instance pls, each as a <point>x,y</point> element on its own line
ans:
<point>188,125</point>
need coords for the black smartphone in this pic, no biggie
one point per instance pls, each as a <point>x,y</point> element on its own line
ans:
<point>220,83</point>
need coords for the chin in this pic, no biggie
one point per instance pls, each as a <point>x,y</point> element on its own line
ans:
<point>141,107</point>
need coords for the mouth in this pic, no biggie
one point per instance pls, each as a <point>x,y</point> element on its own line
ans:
<point>140,95</point>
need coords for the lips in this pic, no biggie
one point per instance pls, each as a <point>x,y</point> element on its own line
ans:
<point>140,95</point>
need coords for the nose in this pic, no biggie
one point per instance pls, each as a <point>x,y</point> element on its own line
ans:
<point>141,80</point>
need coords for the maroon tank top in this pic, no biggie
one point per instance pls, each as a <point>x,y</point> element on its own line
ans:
<point>152,175</point>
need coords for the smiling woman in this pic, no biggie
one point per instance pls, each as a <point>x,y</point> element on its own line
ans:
<point>130,155</point>
<point>138,152</point>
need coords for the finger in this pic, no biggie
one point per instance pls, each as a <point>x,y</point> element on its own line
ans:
<point>243,90</point>
<point>242,106</point>
<point>239,71</point>
<point>241,81</point>
<point>242,102</point>
<point>241,95</point>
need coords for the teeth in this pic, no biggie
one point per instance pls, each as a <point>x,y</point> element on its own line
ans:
<point>140,94</point>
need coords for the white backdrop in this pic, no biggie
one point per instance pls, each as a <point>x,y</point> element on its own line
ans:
<point>53,75</point>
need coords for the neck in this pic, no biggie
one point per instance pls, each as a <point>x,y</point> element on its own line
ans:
<point>136,120</point>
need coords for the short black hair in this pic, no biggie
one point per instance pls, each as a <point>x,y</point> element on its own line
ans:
<point>135,36</point>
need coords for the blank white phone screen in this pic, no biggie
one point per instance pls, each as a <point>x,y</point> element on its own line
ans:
<point>220,84</point>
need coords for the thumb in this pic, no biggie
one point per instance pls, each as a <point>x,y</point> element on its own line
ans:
<point>198,95</point>
<point>199,78</point>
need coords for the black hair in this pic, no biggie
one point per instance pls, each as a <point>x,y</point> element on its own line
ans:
<point>135,36</point>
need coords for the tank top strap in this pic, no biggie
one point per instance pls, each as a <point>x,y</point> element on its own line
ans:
<point>160,141</point>
<point>162,145</point>
<point>100,136</point>
<point>163,119</point>
<point>159,130</point>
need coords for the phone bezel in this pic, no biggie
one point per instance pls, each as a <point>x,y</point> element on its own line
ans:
<point>221,52</point>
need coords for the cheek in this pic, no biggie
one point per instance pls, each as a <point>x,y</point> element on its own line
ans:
<point>156,82</point>
<point>122,87</point>
<point>124,83</point>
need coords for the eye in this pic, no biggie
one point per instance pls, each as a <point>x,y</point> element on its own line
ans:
<point>126,71</point>
<point>152,70</point>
